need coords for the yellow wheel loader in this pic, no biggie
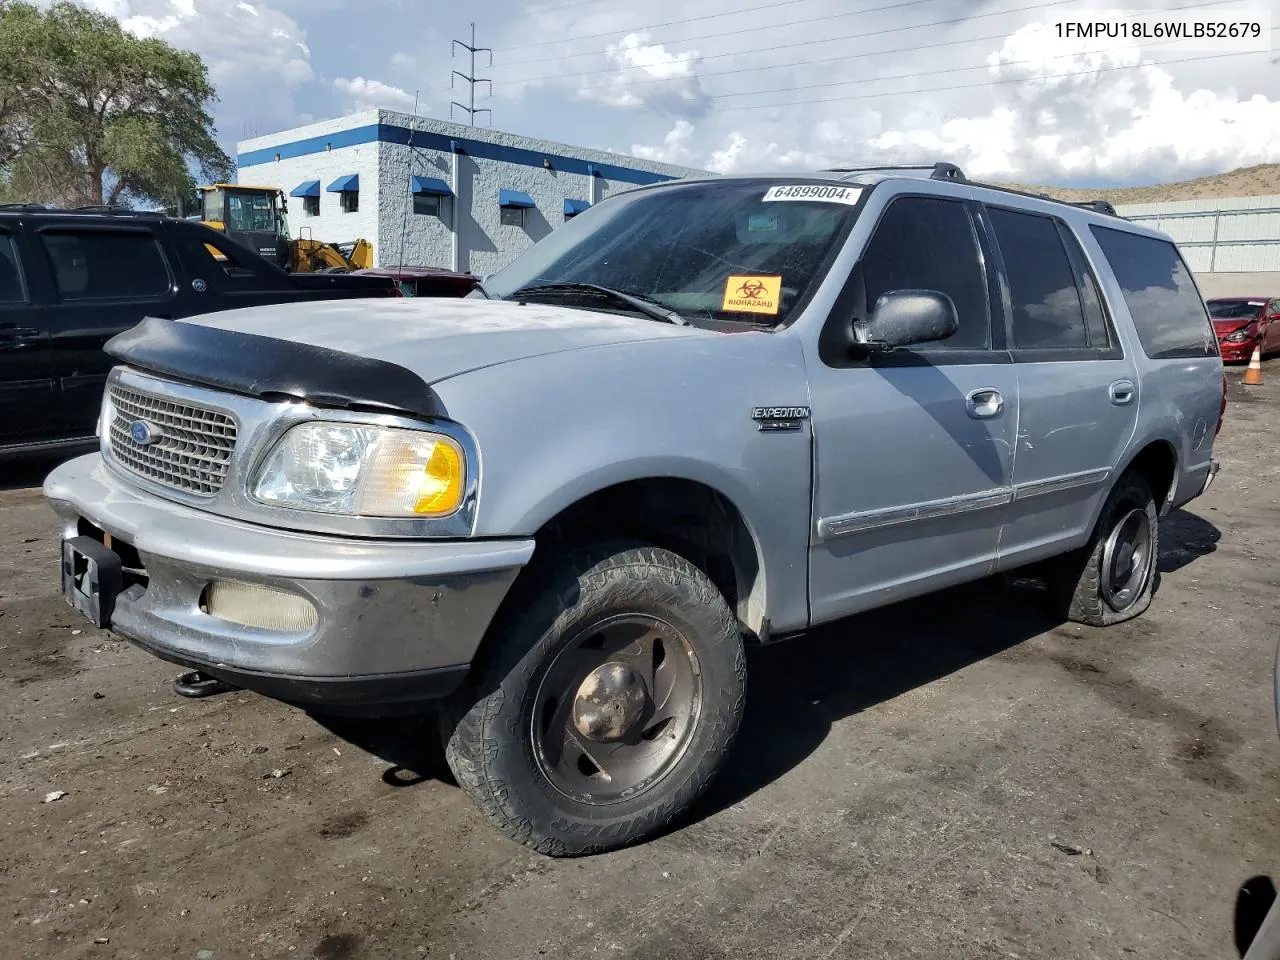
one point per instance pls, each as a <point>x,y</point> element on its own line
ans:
<point>255,217</point>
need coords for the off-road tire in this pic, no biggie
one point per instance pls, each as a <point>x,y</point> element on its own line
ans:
<point>485,727</point>
<point>1074,580</point>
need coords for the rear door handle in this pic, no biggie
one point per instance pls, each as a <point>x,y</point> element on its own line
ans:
<point>1121,392</point>
<point>984,403</point>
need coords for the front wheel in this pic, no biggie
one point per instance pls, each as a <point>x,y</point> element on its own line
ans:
<point>610,695</point>
<point>1112,579</point>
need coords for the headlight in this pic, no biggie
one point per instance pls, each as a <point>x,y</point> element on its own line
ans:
<point>1239,336</point>
<point>363,471</point>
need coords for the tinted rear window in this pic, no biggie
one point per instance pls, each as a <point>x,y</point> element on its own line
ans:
<point>105,264</point>
<point>1167,311</point>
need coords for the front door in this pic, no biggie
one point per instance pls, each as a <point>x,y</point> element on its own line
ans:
<point>1079,394</point>
<point>914,447</point>
<point>26,374</point>
<point>1271,330</point>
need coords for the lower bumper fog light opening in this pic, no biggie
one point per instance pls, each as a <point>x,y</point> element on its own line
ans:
<point>253,605</point>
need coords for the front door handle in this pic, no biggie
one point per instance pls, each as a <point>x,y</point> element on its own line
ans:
<point>13,337</point>
<point>1121,392</point>
<point>984,403</point>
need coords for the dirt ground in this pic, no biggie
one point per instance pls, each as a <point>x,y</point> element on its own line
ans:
<point>952,778</point>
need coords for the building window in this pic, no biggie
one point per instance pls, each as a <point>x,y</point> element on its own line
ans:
<point>350,201</point>
<point>311,206</point>
<point>427,205</point>
<point>513,216</point>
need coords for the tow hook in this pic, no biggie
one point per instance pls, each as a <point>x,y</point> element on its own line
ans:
<point>196,684</point>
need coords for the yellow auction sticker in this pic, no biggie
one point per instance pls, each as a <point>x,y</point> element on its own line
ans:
<point>752,294</point>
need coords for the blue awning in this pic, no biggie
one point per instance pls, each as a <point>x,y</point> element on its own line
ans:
<point>307,188</point>
<point>432,185</point>
<point>348,184</point>
<point>514,198</point>
<point>572,207</point>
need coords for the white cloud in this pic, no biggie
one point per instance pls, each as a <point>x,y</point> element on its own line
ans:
<point>647,74</point>
<point>674,148</point>
<point>365,94</point>
<point>1094,114</point>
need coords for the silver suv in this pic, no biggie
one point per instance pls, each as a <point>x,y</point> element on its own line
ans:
<point>700,415</point>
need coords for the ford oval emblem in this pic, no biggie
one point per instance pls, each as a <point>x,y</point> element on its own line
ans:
<point>144,433</point>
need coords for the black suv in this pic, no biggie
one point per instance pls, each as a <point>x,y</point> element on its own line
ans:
<point>70,280</point>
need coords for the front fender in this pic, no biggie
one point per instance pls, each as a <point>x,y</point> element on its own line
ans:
<point>554,429</point>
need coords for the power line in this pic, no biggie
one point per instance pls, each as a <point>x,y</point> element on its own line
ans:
<point>775,26</point>
<point>708,16</point>
<point>806,63</point>
<point>565,6</point>
<point>989,83</point>
<point>935,73</point>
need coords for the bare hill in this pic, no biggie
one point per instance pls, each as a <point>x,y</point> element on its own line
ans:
<point>1260,180</point>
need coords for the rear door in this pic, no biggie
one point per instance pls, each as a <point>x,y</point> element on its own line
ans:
<point>1078,391</point>
<point>26,370</point>
<point>106,278</point>
<point>1271,332</point>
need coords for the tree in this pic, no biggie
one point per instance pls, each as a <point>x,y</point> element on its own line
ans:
<point>90,114</point>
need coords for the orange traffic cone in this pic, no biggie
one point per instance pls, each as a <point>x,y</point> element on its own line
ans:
<point>1253,376</point>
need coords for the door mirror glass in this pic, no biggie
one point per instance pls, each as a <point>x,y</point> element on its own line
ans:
<point>901,318</point>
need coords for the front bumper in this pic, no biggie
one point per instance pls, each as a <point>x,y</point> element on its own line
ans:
<point>1236,352</point>
<point>397,622</point>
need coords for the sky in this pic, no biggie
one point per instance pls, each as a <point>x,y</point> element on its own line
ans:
<point>752,86</point>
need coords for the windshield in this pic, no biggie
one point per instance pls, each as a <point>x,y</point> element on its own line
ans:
<point>251,212</point>
<point>1235,309</point>
<point>731,250</point>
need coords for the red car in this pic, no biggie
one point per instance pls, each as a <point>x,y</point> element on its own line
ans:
<point>427,281</point>
<point>1241,323</point>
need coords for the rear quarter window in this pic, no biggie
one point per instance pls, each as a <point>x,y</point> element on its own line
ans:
<point>1169,316</point>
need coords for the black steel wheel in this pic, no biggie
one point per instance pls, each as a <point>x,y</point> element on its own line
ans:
<point>609,696</point>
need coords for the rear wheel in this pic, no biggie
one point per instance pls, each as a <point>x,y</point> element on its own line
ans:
<point>1112,579</point>
<point>609,698</point>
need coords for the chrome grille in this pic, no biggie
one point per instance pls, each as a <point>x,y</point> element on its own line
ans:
<point>194,445</point>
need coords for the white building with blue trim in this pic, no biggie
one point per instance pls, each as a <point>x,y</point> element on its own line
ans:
<point>430,193</point>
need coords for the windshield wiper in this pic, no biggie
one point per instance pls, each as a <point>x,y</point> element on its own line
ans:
<point>639,304</point>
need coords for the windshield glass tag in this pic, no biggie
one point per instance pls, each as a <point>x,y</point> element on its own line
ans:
<point>814,192</point>
<point>752,295</point>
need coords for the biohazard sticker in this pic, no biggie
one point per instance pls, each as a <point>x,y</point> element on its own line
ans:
<point>822,193</point>
<point>752,294</point>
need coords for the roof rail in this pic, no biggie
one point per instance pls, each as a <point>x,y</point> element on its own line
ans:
<point>1097,206</point>
<point>937,171</point>
<point>111,208</point>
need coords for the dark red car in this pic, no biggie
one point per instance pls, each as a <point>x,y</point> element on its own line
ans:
<point>1241,323</point>
<point>427,281</point>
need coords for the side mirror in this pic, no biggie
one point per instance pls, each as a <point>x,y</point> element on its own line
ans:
<point>904,317</point>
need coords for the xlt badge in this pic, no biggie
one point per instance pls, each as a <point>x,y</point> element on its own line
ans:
<point>779,418</point>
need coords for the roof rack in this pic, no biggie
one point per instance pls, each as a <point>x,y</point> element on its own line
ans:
<point>1097,206</point>
<point>110,208</point>
<point>1103,207</point>
<point>937,171</point>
